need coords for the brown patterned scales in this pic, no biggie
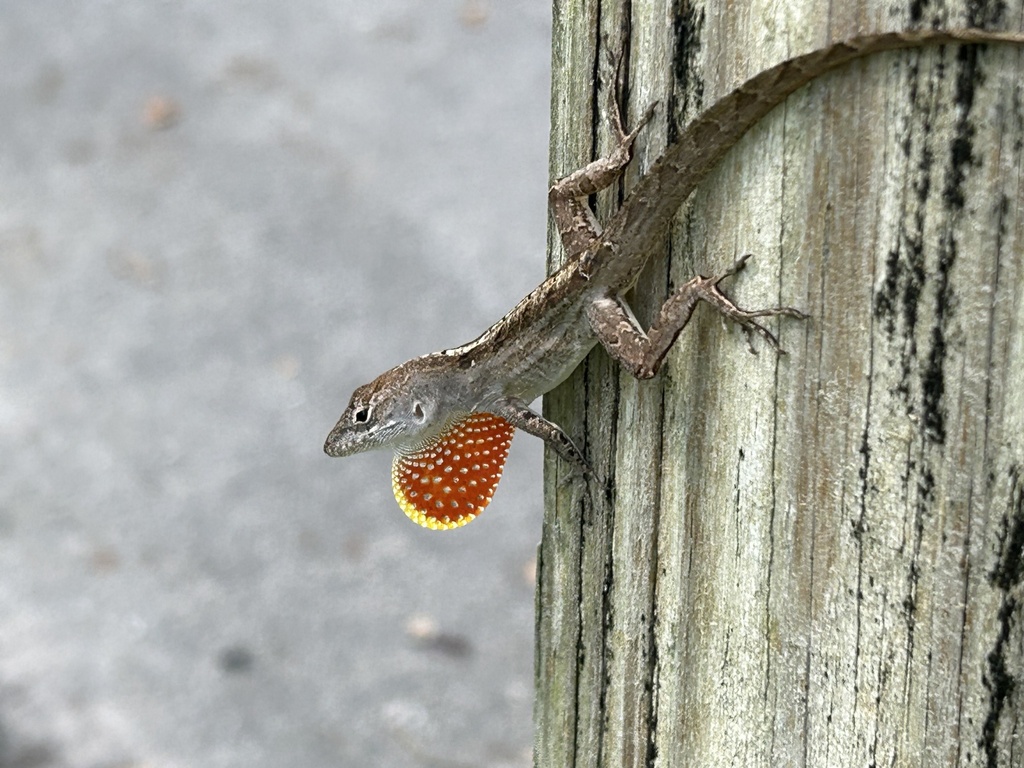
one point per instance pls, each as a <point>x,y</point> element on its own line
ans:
<point>423,408</point>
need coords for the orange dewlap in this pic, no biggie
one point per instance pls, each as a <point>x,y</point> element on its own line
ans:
<point>449,482</point>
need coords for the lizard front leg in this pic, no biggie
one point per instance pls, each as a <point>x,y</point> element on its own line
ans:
<point>519,415</point>
<point>643,353</point>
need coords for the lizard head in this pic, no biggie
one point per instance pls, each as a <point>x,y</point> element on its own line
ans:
<point>446,464</point>
<point>386,413</point>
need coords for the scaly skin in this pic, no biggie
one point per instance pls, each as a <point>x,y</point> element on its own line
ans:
<point>422,404</point>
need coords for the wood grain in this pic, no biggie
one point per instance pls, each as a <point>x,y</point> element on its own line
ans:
<point>815,559</point>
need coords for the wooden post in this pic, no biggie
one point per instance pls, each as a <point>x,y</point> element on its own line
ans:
<point>816,559</point>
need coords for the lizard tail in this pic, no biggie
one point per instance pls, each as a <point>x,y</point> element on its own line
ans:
<point>656,197</point>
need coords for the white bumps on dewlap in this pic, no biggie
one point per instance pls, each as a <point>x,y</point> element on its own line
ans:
<point>452,480</point>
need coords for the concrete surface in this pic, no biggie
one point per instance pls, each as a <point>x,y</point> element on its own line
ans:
<point>217,219</point>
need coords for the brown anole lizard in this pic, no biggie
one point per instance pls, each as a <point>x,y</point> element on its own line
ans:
<point>450,415</point>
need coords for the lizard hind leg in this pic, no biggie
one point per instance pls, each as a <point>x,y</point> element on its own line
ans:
<point>643,353</point>
<point>601,173</point>
<point>576,223</point>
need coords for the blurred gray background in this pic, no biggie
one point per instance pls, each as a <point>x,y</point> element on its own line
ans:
<point>216,220</point>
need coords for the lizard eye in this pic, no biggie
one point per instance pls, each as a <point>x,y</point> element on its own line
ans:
<point>362,415</point>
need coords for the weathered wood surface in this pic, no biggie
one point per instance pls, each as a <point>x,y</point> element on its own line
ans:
<point>815,559</point>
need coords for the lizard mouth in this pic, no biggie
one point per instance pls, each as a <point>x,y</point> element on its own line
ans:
<point>346,441</point>
<point>336,445</point>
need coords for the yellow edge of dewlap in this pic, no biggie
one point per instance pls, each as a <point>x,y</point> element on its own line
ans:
<point>418,517</point>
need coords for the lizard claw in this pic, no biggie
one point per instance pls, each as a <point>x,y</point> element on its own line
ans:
<point>708,291</point>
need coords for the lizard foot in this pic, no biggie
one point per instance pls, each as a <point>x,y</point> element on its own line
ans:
<point>707,290</point>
